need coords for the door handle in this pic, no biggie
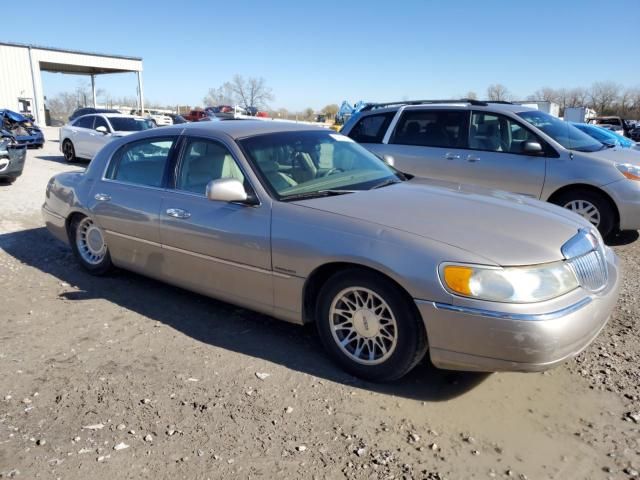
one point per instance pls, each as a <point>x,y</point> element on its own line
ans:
<point>102,197</point>
<point>451,156</point>
<point>178,213</point>
<point>473,158</point>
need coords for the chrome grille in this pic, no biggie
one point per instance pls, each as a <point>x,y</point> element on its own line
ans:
<point>590,270</point>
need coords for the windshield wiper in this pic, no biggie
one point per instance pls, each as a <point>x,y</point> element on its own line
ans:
<point>316,194</point>
<point>387,182</point>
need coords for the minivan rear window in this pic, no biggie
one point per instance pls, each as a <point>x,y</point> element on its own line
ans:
<point>371,128</point>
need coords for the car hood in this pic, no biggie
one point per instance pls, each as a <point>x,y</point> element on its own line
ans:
<point>504,228</point>
<point>617,155</point>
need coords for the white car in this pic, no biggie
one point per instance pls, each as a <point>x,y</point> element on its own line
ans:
<point>86,135</point>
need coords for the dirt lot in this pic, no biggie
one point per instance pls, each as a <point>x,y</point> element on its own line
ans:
<point>124,377</point>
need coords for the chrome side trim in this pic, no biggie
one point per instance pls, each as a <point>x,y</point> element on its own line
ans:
<point>532,317</point>
<point>199,255</point>
<point>225,262</point>
<point>136,239</point>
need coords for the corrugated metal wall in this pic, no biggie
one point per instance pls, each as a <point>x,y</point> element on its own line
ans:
<point>15,76</point>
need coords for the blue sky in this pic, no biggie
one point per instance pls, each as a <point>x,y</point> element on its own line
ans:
<point>315,53</point>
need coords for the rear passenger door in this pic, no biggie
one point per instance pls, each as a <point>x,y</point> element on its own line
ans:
<point>125,202</point>
<point>429,142</point>
<point>496,158</point>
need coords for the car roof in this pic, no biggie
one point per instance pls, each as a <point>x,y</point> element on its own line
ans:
<point>461,105</point>
<point>247,128</point>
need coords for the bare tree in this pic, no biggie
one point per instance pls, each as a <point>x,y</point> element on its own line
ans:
<point>308,113</point>
<point>252,92</point>
<point>546,94</point>
<point>471,95</point>
<point>331,110</point>
<point>603,96</point>
<point>223,95</point>
<point>498,93</point>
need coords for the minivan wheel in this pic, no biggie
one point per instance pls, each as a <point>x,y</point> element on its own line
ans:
<point>89,245</point>
<point>68,151</point>
<point>368,326</point>
<point>593,206</point>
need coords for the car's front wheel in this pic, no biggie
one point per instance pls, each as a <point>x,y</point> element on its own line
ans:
<point>593,206</point>
<point>89,245</point>
<point>68,151</point>
<point>369,326</point>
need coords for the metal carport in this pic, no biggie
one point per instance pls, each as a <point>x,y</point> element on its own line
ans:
<point>21,64</point>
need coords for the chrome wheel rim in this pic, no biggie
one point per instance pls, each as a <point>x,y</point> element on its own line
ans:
<point>363,326</point>
<point>68,151</point>
<point>586,209</point>
<point>90,242</point>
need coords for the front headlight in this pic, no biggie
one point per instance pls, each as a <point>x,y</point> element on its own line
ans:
<point>632,172</point>
<point>509,284</point>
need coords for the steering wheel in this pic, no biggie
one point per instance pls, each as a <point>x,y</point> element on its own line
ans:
<point>332,171</point>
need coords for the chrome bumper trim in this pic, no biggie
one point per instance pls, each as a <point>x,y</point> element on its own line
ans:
<point>532,317</point>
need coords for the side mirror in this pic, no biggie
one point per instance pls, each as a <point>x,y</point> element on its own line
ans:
<point>102,129</point>
<point>532,148</point>
<point>226,190</point>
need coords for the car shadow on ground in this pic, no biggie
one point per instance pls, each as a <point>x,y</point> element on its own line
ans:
<point>221,324</point>
<point>622,238</point>
<point>52,158</point>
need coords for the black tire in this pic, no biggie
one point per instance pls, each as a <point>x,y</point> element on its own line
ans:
<point>411,339</point>
<point>605,209</point>
<point>102,267</point>
<point>69,151</point>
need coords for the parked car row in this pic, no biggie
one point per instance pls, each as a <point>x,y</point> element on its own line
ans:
<point>507,147</point>
<point>307,225</point>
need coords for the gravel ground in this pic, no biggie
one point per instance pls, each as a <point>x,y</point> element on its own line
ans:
<point>125,377</point>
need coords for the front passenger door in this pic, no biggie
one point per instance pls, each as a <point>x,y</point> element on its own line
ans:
<point>496,158</point>
<point>216,248</point>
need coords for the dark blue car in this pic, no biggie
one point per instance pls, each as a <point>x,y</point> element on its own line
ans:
<point>21,128</point>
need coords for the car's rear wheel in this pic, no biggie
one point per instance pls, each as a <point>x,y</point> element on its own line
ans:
<point>369,326</point>
<point>68,151</point>
<point>593,206</point>
<point>89,245</point>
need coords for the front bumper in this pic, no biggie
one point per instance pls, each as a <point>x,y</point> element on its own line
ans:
<point>12,161</point>
<point>626,195</point>
<point>462,338</point>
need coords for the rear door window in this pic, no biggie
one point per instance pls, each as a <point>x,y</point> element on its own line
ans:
<point>432,128</point>
<point>85,122</point>
<point>141,163</point>
<point>371,128</point>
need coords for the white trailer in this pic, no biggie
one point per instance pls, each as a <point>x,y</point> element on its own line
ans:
<point>578,114</point>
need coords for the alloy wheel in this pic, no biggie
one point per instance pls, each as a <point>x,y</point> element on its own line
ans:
<point>363,325</point>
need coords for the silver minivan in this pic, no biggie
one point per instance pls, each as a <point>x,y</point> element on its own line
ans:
<point>509,147</point>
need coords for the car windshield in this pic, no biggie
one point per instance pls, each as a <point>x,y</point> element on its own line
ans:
<point>600,134</point>
<point>125,124</point>
<point>562,132</point>
<point>315,163</point>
